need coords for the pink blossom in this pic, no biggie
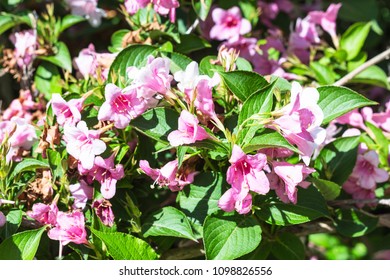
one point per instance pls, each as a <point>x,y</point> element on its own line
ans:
<point>21,107</point>
<point>366,170</point>
<point>70,227</point>
<point>83,144</point>
<point>353,187</point>
<point>132,6</point>
<point>285,179</point>
<point>164,7</point>
<point>169,175</point>
<point>327,19</point>
<point>353,118</point>
<point>67,112</point>
<point>189,131</point>
<point>43,213</point>
<point>107,174</point>
<point>270,10</point>
<point>88,9</point>
<point>3,219</point>
<point>121,106</point>
<point>155,75</point>
<point>228,24</point>
<point>300,121</point>
<point>81,192</point>
<point>246,46</point>
<point>231,200</point>
<point>277,152</point>
<point>381,119</point>
<point>90,63</point>
<point>25,45</point>
<point>104,212</point>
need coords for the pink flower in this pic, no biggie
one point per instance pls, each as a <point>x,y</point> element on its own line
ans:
<point>285,179</point>
<point>107,174</point>
<point>67,112</point>
<point>366,170</point>
<point>353,187</point>
<point>87,8</point>
<point>22,107</point>
<point>189,131</point>
<point>269,11</point>
<point>327,19</point>
<point>300,121</point>
<point>83,144</point>
<point>155,75</point>
<point>353,118</point>
<point>45,214</point>
<point>168,175</point>
<point>277,152</point>
<point>121,106</point>
<point>70,227</point>
<point>3,219</point>
<point>25,45</point>
<point>231,200</point>
<point>104,212</point>
<point>228,24</point>
<point>90,63</point>
<point>81,192</point>
<point>132,6</point>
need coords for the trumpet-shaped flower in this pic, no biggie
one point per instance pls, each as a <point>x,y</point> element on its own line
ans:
<point>104,212</point>
<point>189,131</point>
<point>43,213</point>
<point>70,227</point>
<point>327,19</point>
<point>25,45</point>
<point>228,24</point>
<point>67,112</point>
<point>83,144</point>
<point>88,9</point>
<point>81,192</point>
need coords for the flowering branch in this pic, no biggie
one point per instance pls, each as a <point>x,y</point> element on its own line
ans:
<point>382,56</point>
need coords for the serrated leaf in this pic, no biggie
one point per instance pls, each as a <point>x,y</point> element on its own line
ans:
<point>354,223</point>
<point>310,206</point>
<point>28,164</point>
<point>21,246</point>
<point>337,101</point>
<point>268,139</point>
<point>168,221</point>
<point>228,236</point>
<point>157,123</point>
<point>243,83</point>
<point>123,246</point>
<point>201,197</point>
<point>61,58</point>
<point>135,55</point>
<point>14,218</point>
<point>328,189</point>
<point>288,246</point>
<point>353,39</point>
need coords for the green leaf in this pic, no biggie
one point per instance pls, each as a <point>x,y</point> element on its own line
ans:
<point>47,79</point>
<point>328,189</point>
<point>28,164</point>
<point>8,21</point>
<point>310,206</point>
<point>243,83</point>
<point>354,223</point>
<point>353,39</point>
<point>168,221</point>
<point>69,21</point>
<point>201,198</point>
<point>228,236</point>
<point>117,40</point>
<point>157,123</point>
<point>123,246</point>
<point>281,84</point>
<point>338,159</point>
<point>382,142</point>
<point>323,74</point>
<point>243,64</point>
<point>288,246</point>
<point>14,219</point>
<point>135,55</point>
<point>268,139</point>
<point>191,42</point>
<point>207,67</point>
<point>336,101</point>
<point>359,10</point>
<point>373,75</point>
<point>250,10</point>
<point>202,8</point>
<point>21,246</point>
<point>258,103</point>
<point>179,62</point>
<point>61,58</point>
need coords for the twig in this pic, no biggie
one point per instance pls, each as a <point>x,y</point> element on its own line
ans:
<point>193,26</point>
<point>382,56</point>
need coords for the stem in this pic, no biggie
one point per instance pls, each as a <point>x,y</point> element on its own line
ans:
<point>193,26</point>
<point>60,251</point>
<point>376,59</point>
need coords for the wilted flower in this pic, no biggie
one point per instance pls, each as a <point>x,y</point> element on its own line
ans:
<point>104,212</point>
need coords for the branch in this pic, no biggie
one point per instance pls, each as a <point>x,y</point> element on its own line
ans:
<point>382,56</point>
